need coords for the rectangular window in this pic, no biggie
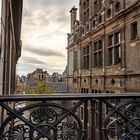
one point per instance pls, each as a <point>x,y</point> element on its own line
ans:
<point>117,38</point>
<point>87,62</point>
<point>100,59</point>
<point>110,40</point>
<point>86,57</point>
<point>134,30</point>
<point>100,44</point>
<point>75,60</point>
<point>114,49</point>
<point>95,46</point>
<point>95,59</point>
<point>117,55</point>
<point>97,54</point>
<point>110,56</point>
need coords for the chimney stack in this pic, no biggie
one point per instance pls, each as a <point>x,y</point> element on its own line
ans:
<point>73,12</point>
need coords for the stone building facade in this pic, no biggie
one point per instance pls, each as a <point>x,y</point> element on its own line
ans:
<point>103,50</point>
<point>104,47</point>
<point>34,78</point>
<point>56,77</point>
<point>10,49</point>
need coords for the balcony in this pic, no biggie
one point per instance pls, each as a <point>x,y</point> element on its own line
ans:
<point>70,117</point>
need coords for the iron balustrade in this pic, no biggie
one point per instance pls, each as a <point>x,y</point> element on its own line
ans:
<point>72,116</point>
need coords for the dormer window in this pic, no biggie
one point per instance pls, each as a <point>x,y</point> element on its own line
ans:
<point>93,23</point>
<point>100,19</point>
<point>86,4</point>
<point>83,30</point>
<point>87,27</point>
<point>108,13</point>
<point>134,31</point>
<point>117,7</point>
<point>95,7</point>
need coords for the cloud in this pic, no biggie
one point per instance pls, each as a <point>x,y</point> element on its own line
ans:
<point>46,18</point>
<point>45,24</point>
<point>28,65</point>
<point>47,3</point>
<point>31,60</point>
<point>44,52</point>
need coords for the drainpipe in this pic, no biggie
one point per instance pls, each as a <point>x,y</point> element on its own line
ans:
<point>4,82</point>
<point>125,72</point>
<point>4,47</point>
<point>104,54</point>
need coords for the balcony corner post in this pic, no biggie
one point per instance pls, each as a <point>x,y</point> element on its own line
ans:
<point>93,131</point>
<point>100,120</point>
<point>85,119</point>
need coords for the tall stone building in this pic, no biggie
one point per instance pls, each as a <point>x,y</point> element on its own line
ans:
<point>10,48</point>
<point>104,47</point>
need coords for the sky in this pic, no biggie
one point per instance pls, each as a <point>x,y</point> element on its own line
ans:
<point>45,25</point>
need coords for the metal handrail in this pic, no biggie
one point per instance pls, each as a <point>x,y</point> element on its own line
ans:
<point>117,116</point>
<point>67,96</point>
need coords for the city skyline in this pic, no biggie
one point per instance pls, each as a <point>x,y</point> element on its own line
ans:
<point>43,22</point>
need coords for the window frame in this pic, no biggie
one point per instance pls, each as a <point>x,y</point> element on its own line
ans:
<point>75,60</point>
<point>117,7</point>
<point>134,35</point>
<point>114,49</point>
<point>97,54</point>
<point>85,60</point>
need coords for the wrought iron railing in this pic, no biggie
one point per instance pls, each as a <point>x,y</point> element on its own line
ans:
<point>70,117</point>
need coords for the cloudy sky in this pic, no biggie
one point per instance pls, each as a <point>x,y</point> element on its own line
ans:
<point>45,25</point>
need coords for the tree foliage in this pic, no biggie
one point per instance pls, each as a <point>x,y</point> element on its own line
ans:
<point>42,88</point>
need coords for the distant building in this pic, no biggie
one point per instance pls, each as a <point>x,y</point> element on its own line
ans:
<point>10,48</point>
<point>56,77</point>
<point>57,81</point>
<point>20,84</point>
<point>34,78</point>
<point>23,78</point>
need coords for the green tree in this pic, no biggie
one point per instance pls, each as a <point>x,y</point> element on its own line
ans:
<point>30,91</point>
<point>42,88</point>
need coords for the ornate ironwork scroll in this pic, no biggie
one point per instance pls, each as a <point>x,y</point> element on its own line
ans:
<point>123,121</point>
<point>40,121</point>
<point>17,132</point>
